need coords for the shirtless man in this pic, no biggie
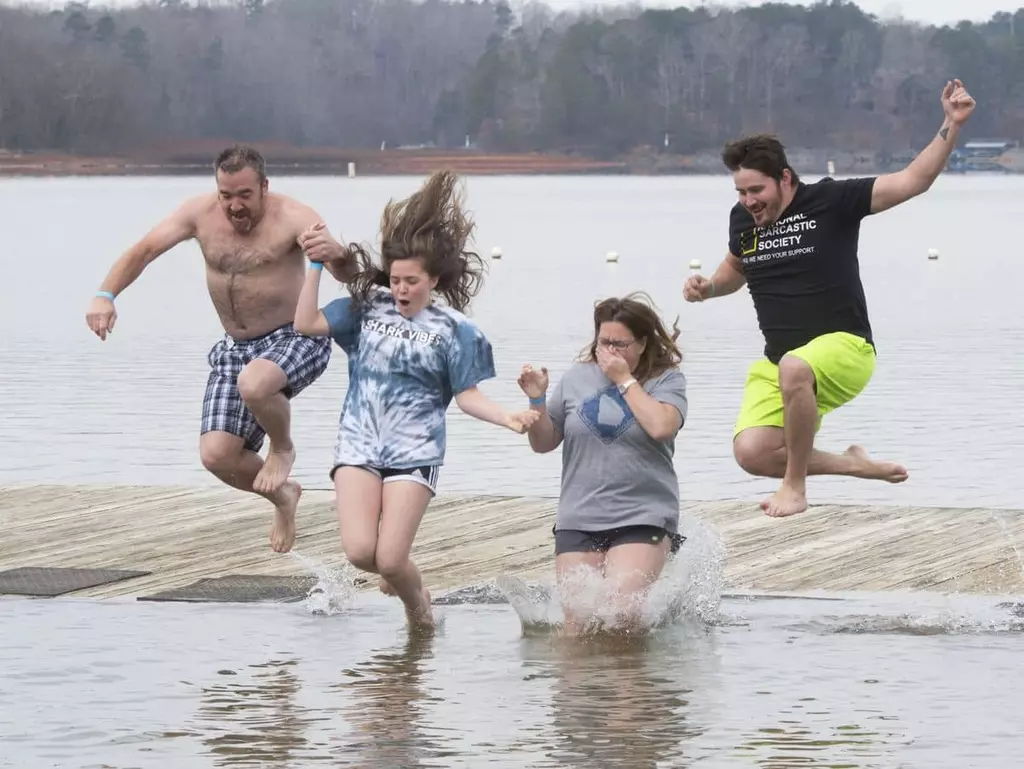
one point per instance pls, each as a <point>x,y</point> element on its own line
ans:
<point>255,269</point>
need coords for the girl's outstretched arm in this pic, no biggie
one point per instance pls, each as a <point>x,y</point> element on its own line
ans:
<point>477,405</point>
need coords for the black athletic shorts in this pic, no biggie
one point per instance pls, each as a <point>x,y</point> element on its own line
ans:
<point>575,541</point>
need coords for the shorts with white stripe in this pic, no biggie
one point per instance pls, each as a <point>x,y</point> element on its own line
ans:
<point>426,475</point>
<point>302,358</point>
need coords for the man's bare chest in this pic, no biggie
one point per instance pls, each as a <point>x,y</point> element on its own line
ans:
<point>231,254</point>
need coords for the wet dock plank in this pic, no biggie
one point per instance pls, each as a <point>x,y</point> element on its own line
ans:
<point>183,534</point>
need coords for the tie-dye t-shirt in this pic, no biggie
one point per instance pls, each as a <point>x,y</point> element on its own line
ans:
<point>403,374</point>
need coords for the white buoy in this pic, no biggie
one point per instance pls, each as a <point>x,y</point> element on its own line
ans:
<point>351,170</point>
<point>695,264</point>
<point>611,256</point>
<point>933,253</point>
<point>831,168</point>
<point>495,253</point>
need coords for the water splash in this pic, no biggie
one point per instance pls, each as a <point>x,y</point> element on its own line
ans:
<point>689,587</point>
<point>334,589</point>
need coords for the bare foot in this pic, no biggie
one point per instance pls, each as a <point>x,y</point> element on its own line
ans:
<point>282,532</point>
<point>422,618</point>
<point>385,587</point>
<point>785,502</point>
<point>879,471</point>
<point>275,471</point>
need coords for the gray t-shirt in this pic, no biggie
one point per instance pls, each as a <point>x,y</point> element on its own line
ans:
<point>613,473</point>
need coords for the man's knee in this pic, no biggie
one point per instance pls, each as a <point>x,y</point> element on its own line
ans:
<point>756,451</point>
<point>795,374</point>
<point>219,452</point>
<point>261,379</point>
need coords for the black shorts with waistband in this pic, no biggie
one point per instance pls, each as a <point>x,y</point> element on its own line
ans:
<point>576,541</point>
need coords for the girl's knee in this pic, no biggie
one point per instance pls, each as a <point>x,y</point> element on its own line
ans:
<point>391,564</point>
<point>362,556</point>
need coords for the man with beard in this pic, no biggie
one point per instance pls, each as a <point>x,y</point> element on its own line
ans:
<point>255,268</point>
<point>795,246</point>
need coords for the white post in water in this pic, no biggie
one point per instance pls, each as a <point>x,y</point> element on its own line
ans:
<point>351,170</point>
<point>831,168</point>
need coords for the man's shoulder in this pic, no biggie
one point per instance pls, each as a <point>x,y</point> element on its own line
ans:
<point>740,218</point>
<point>828,187</point>
<point>198,206</point>
<point>287,205</point>
<point>291,212</point>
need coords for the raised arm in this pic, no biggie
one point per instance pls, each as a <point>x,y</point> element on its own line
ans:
<point>309,318</point>
<point>320,246</point>
<point>727,279</point>
<point>543,434</point>
<point>176,228</point>
<point>892,189</point>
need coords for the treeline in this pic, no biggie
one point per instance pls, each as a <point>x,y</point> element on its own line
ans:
<point>359,73</point>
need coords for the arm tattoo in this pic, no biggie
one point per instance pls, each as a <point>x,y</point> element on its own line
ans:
<point>944,132</point>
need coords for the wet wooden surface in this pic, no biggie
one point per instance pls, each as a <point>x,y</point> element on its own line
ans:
<point>184,534</point>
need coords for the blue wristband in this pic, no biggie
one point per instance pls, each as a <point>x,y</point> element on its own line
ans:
<point>105,295</point>
<point>538,401</point>
<point>316,265</point>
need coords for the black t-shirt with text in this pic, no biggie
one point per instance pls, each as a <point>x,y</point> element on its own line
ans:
<point>802,271</point>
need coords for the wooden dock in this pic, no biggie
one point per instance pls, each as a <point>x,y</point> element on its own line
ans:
<point>184,534</point>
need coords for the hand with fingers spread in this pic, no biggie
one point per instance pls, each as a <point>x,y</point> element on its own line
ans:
<point>956,102</point>
<point>101,316</point>
<point>533,383</point>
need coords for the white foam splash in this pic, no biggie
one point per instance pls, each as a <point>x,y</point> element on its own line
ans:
<point>689,587</point>
<point>334,590</point>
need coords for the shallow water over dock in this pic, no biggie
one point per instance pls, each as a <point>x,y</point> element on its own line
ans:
<point>866,681</point>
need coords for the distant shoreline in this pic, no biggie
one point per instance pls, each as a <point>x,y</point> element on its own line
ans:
<point>196,159</point>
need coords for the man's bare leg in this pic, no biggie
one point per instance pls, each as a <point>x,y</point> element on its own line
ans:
<point>225,455</point>
<point>260,385</point>
<point>762,451</point>
<point>800,414</point>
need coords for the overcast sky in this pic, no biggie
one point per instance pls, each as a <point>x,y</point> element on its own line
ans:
<point>930,11</point>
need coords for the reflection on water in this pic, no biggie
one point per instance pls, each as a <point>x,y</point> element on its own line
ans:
<point>387,704</point>
<point>779,684</point>
<point>616,701</point>
<point>255,721</point>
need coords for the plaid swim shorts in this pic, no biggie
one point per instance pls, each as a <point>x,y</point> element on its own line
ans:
<point>302,358</point>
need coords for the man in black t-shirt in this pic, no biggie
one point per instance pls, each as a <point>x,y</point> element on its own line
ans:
<point>795,246</point>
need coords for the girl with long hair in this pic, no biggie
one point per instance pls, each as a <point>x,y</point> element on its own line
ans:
<point>408,357</point>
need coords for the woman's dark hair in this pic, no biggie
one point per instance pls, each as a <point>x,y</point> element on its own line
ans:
<point>429,225</point>
<point>637,312</point>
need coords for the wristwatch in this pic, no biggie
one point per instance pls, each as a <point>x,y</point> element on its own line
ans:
<point>626,385</point>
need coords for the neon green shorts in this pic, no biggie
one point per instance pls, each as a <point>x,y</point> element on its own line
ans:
<point>842,364</point>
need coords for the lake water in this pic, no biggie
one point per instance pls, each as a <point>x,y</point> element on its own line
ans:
<point>772,683</point>
<point>890,680</point>
<point>944,398</point>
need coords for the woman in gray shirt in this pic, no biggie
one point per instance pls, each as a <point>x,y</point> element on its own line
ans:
<point>616,413</point>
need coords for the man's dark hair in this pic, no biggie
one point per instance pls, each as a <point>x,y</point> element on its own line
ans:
<point>234,159</point>
<point>762,152</point>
